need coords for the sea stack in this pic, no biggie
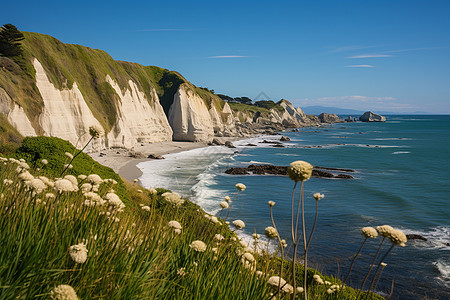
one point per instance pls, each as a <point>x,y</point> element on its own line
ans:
<point>329,118</point>
<point>369,116</point>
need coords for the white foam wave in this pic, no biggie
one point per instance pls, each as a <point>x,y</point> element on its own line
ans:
<point>287,154</point>
<point>392,139</point>
<point>444,270</point>
<point>437,238</point>
<point>401,152</point>
<point>255,162</point>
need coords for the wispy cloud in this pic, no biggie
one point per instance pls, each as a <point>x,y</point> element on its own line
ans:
<point>165,29</point>
<point>370,56</point>
<point>349,48</point>
<point>360,66</point>
<point>229,56</point>
<point>412,49</point>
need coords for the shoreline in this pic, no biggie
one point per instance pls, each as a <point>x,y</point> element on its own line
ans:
<point>124,164</point>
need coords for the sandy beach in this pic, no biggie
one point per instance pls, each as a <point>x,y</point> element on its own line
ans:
<point>124,164</point>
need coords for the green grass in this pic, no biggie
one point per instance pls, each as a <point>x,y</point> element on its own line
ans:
<point>136,256</point>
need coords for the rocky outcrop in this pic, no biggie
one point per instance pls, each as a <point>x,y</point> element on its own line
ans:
<point>189,117</point>
<point>280,170</point>
<point>138,119</point>
<point>329,118</point>
<point>369,116</point>
<point>65,113</point>
<point>15,114</point>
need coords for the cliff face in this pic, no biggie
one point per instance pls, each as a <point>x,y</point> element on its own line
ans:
<point>61,90</point>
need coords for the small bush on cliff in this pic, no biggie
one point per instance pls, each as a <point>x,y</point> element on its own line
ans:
<point>35,149</point>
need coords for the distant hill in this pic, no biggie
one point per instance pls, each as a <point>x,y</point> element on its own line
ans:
<point>317,110</point>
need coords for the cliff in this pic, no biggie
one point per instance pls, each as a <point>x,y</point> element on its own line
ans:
<point>57,89</point>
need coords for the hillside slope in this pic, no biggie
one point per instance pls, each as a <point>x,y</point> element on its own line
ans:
<point>58,89</point>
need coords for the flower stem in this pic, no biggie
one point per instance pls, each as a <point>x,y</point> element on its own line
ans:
<point>371,266</point>
<point>376,271</point>
<point>75,156</point>
<point>281,246</point>
<point>353,261</point>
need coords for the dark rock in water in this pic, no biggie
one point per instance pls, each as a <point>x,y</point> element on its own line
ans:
<point>369,116</point>
<point>216,141</point>
<point>335,169</point>
<point>284,139</point>
<point>270,142</point>
<point>320,173</point>
<point>416,237</point>
<point>344,176</point>
<point>154,156</point>
<point>251,145</point>
<point>349,119</point>
<point>329,118</point>
<point>279,170</point>
<point>237,171</point>
<point>229,144</point>
<point>278,146</point>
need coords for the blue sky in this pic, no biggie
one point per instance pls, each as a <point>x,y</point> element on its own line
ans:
<point>366,55</point>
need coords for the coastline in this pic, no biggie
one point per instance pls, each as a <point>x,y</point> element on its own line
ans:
<point>121,162</point>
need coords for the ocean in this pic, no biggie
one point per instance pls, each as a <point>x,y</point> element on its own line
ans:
<point>401,179</point>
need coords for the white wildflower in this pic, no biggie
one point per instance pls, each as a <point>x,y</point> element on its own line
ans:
<point>198,246</point>
<point>276,281</point>
<point>94,179</point>
<point>219,237</point>
<point>240,186</point>
<point>78,253</point>
<point>72,179</point>
<point>173,198</point>
<point>175,225</point>
<point>63,292</point>
<point>300,170</point>
<point>256,236</point>
<point>26,176</point>
<point>86,187</point>
<point>50,196</point>
<point>369,232</point>
<point>271,203</point>
<point>153,191</point>
<point>64,185</point>
<point>146,208</point>
<point>318,196</point>
<point>224,204</point>
<point>69,155</point>
<point>271,232</point>
<point>239,224</point>
<point>44,162</point>
<point>114,201</point>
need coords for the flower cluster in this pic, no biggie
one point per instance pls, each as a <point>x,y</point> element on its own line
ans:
<point>173,198</point>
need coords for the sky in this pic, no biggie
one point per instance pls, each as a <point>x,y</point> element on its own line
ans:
<point>365,55</point>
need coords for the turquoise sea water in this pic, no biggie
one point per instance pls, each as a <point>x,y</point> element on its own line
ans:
<point>401,179</point>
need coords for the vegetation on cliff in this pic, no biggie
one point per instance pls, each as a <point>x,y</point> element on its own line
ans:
<point>74,235</point>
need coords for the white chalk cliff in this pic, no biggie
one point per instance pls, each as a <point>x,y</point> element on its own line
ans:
<point>15,114</point>
<point>189,116</point>
<point>137,120</point>
<point>65,113</point>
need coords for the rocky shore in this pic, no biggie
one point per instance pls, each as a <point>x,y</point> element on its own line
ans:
<point>283,171</point>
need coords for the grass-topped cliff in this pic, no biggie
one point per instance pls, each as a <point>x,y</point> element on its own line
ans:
<point>88,232</point>
<point>65,64</point>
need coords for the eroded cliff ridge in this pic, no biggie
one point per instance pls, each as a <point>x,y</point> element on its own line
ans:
<point>58,89</point>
